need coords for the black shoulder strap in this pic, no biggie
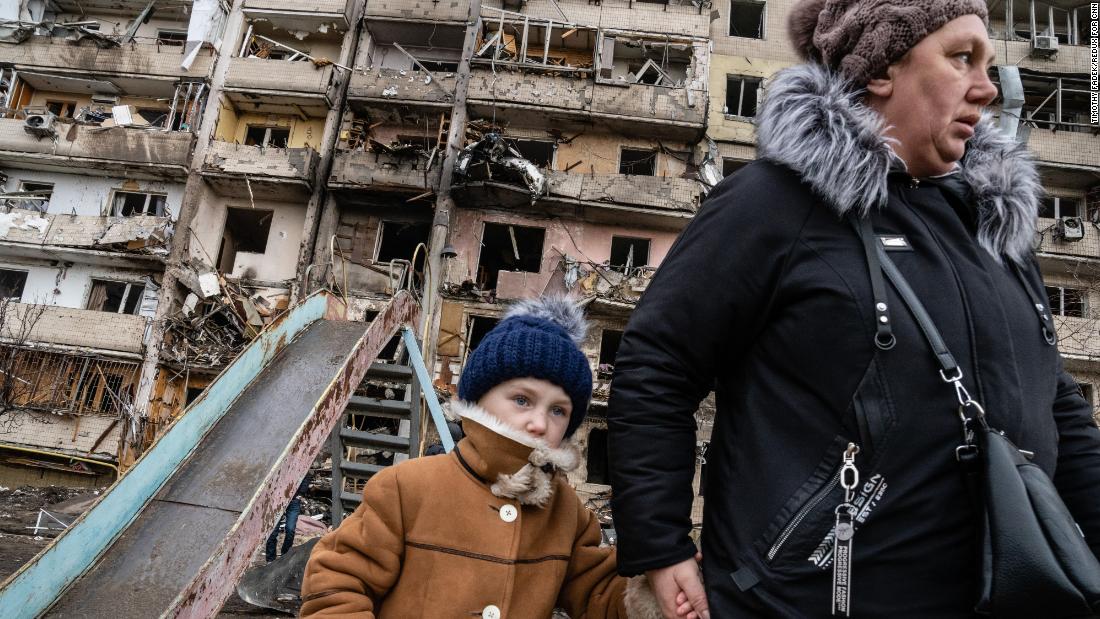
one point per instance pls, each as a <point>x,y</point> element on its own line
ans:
<point>884,335</point>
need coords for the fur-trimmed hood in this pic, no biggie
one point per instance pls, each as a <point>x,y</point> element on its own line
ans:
<point>516,465</point>
<point>814,122</point>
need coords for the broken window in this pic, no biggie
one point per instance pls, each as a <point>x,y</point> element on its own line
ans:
<point>627,253</point>
<point>37,196</point>
<point>157,117</point>
<point>729,166</point>
<point>259,46</point>
<point>508,248</point>
<point>598,458</point>
<point>400,240</point>
<point>638,162</point>
<point>11,284</point>
<point>638,60</point>
<point>742,94</point>
<point>538,152</point>
<point>747,19</point>
<point>132,204</point>
<point>1067,301</point>
<point>1057,207</point>
<point>246,230</point>
<point>264,136</point>
<point>609,347</point>
<point>171,37</point>
<point>192,394</point>
<point>1030,19</point>
<point>116,297</point>
<point>62,109</point>
<point>1057,103</point>
<point>533,43</point>
<point>476,330</point>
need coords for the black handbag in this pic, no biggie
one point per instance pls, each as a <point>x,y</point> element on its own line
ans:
<point>1035,562</point>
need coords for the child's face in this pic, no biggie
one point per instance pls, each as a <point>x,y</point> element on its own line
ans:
<point>531,405</point>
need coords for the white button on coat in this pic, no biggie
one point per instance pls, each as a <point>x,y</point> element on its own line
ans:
<point>508,513</point>
<point>490,612</point>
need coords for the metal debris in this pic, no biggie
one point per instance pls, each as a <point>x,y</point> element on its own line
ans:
<point>497,155</point>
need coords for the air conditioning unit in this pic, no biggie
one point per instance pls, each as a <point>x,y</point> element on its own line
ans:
<point>1044,45</point>
<point>104,98</point>
<point>1071,229</point>
<point>40,124</point>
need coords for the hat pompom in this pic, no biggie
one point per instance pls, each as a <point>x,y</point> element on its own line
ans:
<point>558,309</point>
<point>801,24</point>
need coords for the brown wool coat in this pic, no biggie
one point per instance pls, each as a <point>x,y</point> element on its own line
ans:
<point>435,537</point>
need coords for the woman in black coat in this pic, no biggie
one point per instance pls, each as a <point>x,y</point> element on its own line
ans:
<point>767,299</point>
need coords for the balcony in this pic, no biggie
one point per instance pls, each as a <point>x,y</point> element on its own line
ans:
<point>116,149</point>
<point>664,18</point>
<point>302,12</point>
<point>1088,247</point>
<point>270,171</point>
<point>670,113</point>
<point>434,10</point>
<point>146,59</point>
<point>1070,58</point>
<point>68,326</point>
<point>378,171</point>
<point>135,242</point>
<point>650,192</point>
<point>391,87</point>
<point>1065,147</point>
<point>281,83</point>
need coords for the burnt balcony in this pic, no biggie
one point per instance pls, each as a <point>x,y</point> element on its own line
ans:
<point>146,58</point>
<point>382,172</point>
<point>271,171</point>
<point>664,112</point>
<point>391,87</point>
<point>65,145</point>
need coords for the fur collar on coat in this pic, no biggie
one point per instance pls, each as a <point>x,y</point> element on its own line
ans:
<point>815,123</point>
<point>530,479</point>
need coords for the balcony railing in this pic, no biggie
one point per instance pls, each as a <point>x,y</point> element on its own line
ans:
<point>66,383</point>
<point>138,57</point>
<point>361,169</point>
<point>284,76</point>
<point>405,87</point>
<point>145,234</point>
<point>97,147</point>
<point>294,165</point>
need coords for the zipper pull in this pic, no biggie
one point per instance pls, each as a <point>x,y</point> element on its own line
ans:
<point>843,532</point>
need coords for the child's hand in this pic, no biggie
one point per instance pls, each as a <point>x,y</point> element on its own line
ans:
<point>684,608</point>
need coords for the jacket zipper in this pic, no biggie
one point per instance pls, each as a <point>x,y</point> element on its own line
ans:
<point>810,505</point>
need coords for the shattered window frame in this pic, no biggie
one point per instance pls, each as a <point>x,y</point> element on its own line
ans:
<point>730,165</point>
<point>746,5</point>
<point>155,200</point>
<point>597,468</point>
<point>609,339</point>
<point>1067,301</point>
<point>42,205</point>
<point>171,37</point>
<point>638,157</point>
<point>264,218</point>
<point>526,262</point>
<point>742,81</point>
<point>61,108</point>
<point>13,283</point>
<point>129,302</point>
<point>633,243</point>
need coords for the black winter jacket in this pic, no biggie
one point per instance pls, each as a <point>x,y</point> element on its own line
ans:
<point>766,299</point>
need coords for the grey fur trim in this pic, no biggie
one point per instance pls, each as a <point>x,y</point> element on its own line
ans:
<point>815,122</point>
<point>533,483</point>
<point>558,309</point>
<point>640,601</point>
<point>1002,178</point>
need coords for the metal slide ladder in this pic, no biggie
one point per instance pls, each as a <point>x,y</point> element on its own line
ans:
<point>172,536</point>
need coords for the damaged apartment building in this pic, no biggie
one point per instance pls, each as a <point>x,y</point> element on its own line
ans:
<point>579,130</point>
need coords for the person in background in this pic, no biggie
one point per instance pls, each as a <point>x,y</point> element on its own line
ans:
<point>289,522</point>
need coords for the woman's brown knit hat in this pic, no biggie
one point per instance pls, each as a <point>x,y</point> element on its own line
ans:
<point>860,38</point>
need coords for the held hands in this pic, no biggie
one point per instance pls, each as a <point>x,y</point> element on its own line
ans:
<point>679,590</point>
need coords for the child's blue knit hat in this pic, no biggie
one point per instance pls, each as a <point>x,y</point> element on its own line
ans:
<point>538,338</point>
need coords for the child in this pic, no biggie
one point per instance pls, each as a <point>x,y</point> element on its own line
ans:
<point>492,529</point>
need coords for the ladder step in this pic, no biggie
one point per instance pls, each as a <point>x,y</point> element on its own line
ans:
<point>393,409</point>
<point>389,371</point>
<point>358,438</point>
<point>351,497</point>
<point>360,469</point>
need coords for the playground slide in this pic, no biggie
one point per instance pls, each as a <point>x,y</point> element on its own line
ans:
<point>172,536</point>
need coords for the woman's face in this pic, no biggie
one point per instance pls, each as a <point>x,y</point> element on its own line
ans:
<point>933,97</point>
